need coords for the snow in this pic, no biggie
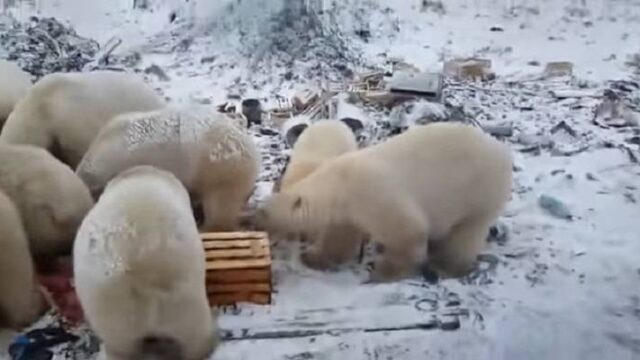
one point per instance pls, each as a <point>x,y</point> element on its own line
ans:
<point>556,289</point>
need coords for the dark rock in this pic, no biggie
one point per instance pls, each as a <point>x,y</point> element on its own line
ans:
<point>496,29</point>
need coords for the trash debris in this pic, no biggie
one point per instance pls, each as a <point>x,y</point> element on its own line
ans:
<point>43,45</point>
<point>554,207</point>
<point>562,125</point>
<point>613,112</point>
<point>36,344</point>
<point>558,68</point>
<point>499,234</point>
<point>427,85</point>
<point>499,131</point>
<point>252,110</point>
<point>304,99</point>
<point>474,69</point>
<point>157,71</point>
<point>571,93</point>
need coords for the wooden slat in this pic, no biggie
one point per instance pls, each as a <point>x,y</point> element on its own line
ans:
<point>230,244</point>
<point>229,299</point>
<point>253,252</point>
<point>238,276</point>
<point>234,235</point>
<point>239,288</point>
<point>239,264</point>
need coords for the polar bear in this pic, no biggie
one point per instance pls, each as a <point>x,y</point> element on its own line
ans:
<point>215,159</point>
<point>445,182</point>
<point>52,200</point>
<point>318,143</point>
<point>139,269</point>
<point>63,112</point>
<point>20,300</point>
<point>14,84</point>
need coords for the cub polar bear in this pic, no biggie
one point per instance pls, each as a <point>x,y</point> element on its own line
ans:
<point>319,143</point>
<point>444,182</point>
<point>214,158</point>
<point>20,301</point>
<point>51,199</point>
<point>14,84</point>
<point>63,112</point>
<point>139,269</point>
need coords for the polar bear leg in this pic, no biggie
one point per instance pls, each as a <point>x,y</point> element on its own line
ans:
<point>404,233</point>
<point>222,208</point>
<point>457,254</point>
<point>339,244</point>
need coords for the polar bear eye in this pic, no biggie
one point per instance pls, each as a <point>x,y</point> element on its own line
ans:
<point>297,203</point>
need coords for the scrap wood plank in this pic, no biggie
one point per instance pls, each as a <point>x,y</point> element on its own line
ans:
<point>359,309</point>
<point>238,267</point>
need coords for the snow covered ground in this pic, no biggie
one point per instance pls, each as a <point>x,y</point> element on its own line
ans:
<point>556,288</point>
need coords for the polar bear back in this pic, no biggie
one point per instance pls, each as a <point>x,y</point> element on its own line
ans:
<point>139,265</point>
<point>192,143</point>
<point>66,111</point>
<point>450,170</point>
<point>14,84</point>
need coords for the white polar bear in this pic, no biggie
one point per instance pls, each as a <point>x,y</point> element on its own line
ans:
<point>63,112</point>
<point>139,268</point>
<point>20,300</point>
<point>445,182</point>
<point>214,158</point>
<point>317,144</point>
<point>14,84</point>
<point>52,200</point>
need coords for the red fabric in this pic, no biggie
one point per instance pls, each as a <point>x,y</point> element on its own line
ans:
<point>59,285</point>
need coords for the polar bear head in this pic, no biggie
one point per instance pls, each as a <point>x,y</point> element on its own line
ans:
<point>55,202</point>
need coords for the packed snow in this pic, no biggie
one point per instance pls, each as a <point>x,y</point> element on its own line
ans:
<point>561,276</point>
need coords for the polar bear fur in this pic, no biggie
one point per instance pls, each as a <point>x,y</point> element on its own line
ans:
<point>214,158</point>
<point>52,200</point>
<point>63,112</point>
<point>445,182</point>
<point>20,301</point>
<point>139,269</point>
<point>14,84</point>
<point>320,142</point>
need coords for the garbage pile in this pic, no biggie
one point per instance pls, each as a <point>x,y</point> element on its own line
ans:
<point>44,45</point>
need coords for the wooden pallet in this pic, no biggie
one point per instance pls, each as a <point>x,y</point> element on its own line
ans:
<point>238,267</point>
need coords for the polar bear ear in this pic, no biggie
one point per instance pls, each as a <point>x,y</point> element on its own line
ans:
<point>354,124</point>
<point>294,133</point>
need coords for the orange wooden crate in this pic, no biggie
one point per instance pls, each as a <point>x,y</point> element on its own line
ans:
<point>238,267</point>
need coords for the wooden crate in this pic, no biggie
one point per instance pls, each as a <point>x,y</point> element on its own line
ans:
<point>238,267</point>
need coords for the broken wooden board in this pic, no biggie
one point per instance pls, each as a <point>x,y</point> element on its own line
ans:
<point>238,267</point>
